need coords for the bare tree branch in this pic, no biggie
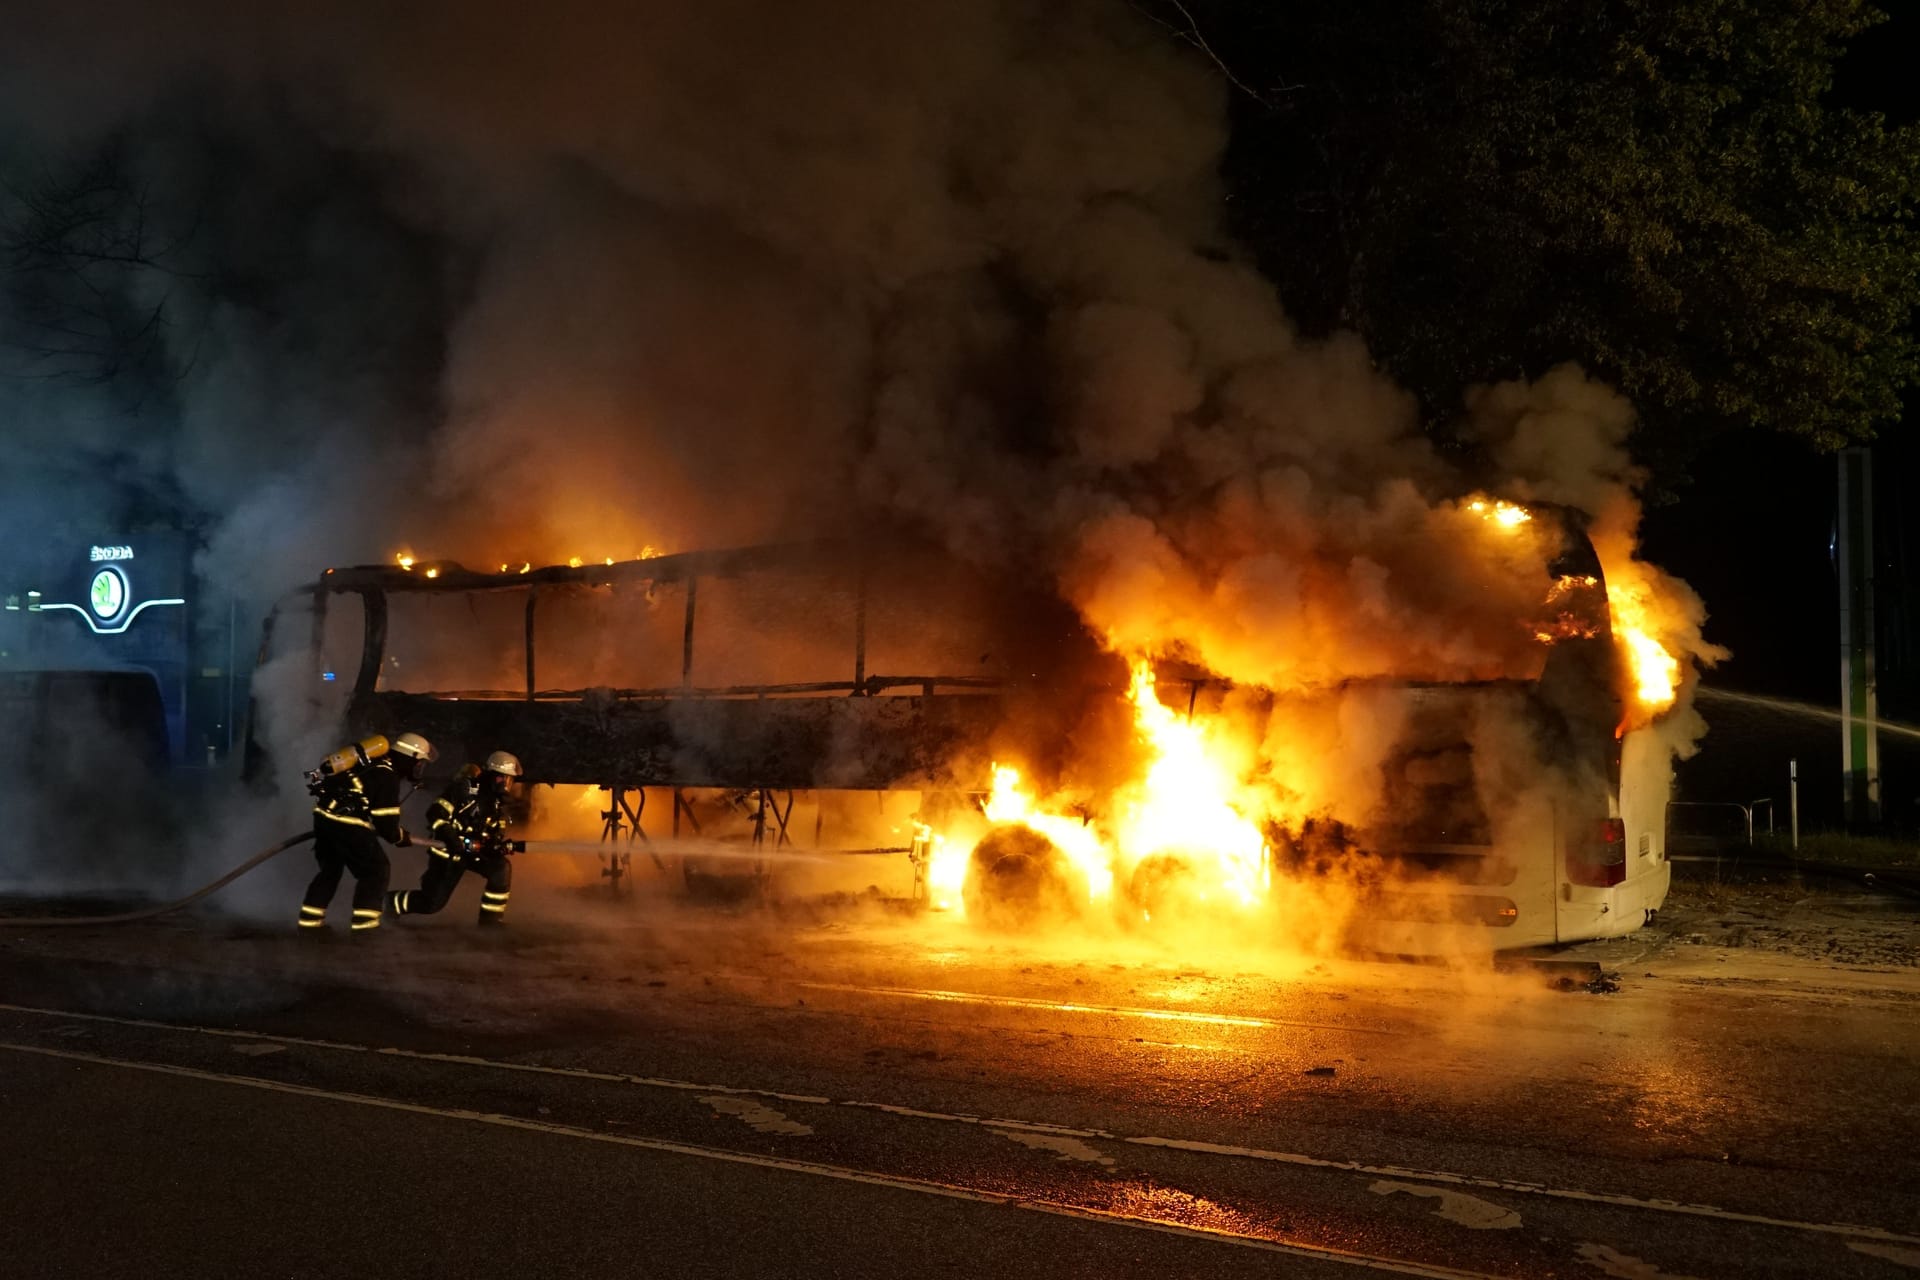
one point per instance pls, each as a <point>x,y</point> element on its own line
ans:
<point>1190,34</point>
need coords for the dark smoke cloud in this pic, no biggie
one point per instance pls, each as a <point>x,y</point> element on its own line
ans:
<point>508,283</point>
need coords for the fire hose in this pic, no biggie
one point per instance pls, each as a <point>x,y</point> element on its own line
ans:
<point>148,913</point>
<point>273,851</point>
<point>164,908</point>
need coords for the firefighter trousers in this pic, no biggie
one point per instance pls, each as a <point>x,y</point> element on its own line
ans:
<point>443,877</point>
<point>346,847</point>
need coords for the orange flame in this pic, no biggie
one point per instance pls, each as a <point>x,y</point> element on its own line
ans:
<point>1182,806</point>
<point>1072,836</point>
<point>1505,514</point>
<point>1185,803</point>
<point>1653,671</point>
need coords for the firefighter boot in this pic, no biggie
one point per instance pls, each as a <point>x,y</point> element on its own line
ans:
<point>493,909</point>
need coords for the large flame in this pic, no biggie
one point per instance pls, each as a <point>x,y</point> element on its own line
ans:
<point>1073,836</point>
<point>1185,806</point>
<point>1182,807</point>
<point>1653,670</point>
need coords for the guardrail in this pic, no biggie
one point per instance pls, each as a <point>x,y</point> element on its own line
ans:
<point>1745,811</point>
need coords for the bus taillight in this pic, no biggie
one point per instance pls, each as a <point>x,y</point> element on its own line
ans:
<point>1600,860</point>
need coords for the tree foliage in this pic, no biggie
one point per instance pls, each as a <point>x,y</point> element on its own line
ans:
<point>1663,190</point>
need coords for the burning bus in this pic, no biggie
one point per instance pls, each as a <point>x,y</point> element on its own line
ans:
<point>1019,771</point>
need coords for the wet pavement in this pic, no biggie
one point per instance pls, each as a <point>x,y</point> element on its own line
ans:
<point>672,1090</point>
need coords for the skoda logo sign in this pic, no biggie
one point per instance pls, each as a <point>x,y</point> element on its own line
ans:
<point>107,596</point>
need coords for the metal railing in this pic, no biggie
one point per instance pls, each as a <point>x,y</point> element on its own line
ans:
<point>1745,811</point>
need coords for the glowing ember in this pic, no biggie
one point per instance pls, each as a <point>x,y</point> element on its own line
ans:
<point>1574,612</point>
<point>574,562</point>
<point>1504,514</point>
<point>433,573</point>
<point>404,559</point>
<point>526,567</point>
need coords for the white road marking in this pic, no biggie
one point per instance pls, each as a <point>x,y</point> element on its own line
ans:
<point>1533,1189</point>
<point>1619,1265</point>
<point>1439,1177</point>
<point>757,1115</point>
<point>921,1186</point>
<point>948,1117</point>
<point>1469,1211</point>
<point>1890,1252</point>
<point>459,1059</point>
<point>1062,1148</point>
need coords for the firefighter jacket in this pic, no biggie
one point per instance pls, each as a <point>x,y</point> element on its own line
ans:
<point>365,796</point>
<point>468,818</point>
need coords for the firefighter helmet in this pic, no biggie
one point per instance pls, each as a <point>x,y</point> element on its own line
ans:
<point>414,747</point>
<point>504,763</point>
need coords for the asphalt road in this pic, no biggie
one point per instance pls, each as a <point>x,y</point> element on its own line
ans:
<point>686,1093</point>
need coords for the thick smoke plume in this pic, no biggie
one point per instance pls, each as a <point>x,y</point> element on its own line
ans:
<point>504,284</point>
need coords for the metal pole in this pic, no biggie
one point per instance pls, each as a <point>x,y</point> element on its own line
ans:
<point>686,643</point>
<point>860,633</point>
<point>1793,799</point>
<point>1853,558</point>
<point>533,596</point>
<point>233,607</point>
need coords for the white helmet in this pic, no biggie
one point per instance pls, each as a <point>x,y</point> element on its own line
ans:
<point>504,763</point>
<point>414,747</point>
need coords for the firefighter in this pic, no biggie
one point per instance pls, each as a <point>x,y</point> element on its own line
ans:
<point>358,805</point>
<point>470,822</point>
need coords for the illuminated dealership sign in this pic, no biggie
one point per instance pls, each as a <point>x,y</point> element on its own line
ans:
<point>107,597</point>
<point>110,607</point>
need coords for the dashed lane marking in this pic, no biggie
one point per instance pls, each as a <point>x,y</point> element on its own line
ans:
<point>920,1186</point>
<point>1534,1189</point>
<point>1062,1148</point>
<point>1889,1252</point>
<point>1468,1211</point>
<point>756,1115</point>
<point>1297,1159</point>
<point>1620,1266</point>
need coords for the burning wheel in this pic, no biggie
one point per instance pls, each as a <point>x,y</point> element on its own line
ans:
<point>1016,876</point>
<point>1166,886</point>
